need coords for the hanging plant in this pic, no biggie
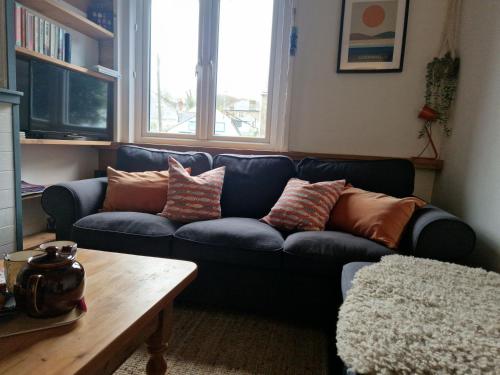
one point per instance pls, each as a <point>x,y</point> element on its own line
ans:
<point>441,86</point>
<point>441,80</point>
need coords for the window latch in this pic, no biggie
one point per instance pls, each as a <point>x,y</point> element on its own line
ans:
<point>198,70</point>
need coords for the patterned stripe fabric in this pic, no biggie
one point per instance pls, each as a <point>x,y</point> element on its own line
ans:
<point>193,198</point>
<point>305,206</point>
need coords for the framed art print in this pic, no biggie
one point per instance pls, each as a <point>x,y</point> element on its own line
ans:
<point>372,36</point>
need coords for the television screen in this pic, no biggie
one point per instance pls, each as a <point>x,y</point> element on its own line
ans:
<point>59,102</point>
<point>44,93</point>
<point>88,102</point>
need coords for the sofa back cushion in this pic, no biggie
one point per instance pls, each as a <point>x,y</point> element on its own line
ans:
<point>393,177</point>
<point>253,184</point>
<point>139,159</point>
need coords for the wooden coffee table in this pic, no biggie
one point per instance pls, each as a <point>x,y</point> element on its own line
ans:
<point>129,300</point>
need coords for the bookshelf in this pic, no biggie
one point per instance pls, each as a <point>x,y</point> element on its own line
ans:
<point>64,142</point>
<point>40,56</point>
<point>54,10</point>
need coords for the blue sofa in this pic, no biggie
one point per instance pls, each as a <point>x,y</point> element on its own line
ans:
<point>242,261</point>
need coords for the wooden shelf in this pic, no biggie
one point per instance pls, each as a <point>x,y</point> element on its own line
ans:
<point>55,10</point>
<point>32,196</point>
<point>64,142</point>
<point>35,240</point>
<point>40,56</point>
<point>428,163</point>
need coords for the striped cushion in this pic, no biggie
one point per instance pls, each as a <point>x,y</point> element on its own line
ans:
<point>305,206</point>
<point>193,198</point>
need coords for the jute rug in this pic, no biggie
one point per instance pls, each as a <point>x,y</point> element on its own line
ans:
<point>406,315</point>
<point>222,343</point>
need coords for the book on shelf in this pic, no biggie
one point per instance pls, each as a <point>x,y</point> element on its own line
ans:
<point>41,35</point>
<point>103,70</point>
<point>30,189</point>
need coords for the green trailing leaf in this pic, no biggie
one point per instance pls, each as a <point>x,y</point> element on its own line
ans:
<point>441,86</point>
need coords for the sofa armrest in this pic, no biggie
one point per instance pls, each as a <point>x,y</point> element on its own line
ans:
<point>70,201</point>
<point>436,234</point>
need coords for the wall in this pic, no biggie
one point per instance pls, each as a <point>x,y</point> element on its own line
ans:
<point>469,184</point>
<point>7,202</point>
<point>364,114</point>
<point>48,165</point>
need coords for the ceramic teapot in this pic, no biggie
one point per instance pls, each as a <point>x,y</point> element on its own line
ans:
<point>50,284</point>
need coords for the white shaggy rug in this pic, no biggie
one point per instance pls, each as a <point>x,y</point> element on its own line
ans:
<point>407,315</point>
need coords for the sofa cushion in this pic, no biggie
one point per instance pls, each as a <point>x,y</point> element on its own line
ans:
<point>392,177</point>
<point>324,251</point>
<point>136,191</point>
<point>253,184</point>
<point>229,240</point>
<point>125,232</point>
<point>376,216</point>
<point>138,159</point>
<point>193,198</point>
<point>304,206</point>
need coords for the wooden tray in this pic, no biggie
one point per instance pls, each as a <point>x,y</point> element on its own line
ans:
<point>21,323</point>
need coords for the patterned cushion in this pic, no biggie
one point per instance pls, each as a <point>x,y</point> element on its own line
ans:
<point>193,198</point>
<point>305,206</point>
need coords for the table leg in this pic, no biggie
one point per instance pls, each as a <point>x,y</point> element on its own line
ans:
<point>157,343</point>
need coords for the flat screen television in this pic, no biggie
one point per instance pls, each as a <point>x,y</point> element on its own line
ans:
<point>59,103</point>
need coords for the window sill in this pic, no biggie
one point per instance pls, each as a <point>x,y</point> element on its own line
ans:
<point>210,144</point>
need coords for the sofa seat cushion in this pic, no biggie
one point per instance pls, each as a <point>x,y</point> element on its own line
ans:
<point>126,232</point>
<point>329,250</point>
<point>232,240</point>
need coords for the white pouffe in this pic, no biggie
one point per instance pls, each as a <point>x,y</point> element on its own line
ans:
<point>408,315</point>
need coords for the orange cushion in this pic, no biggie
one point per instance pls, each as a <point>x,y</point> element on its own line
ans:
<point>136,191</point>
<point>376,216</point>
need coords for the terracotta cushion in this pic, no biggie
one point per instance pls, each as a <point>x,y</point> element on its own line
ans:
<point>136,191</point>
<point>375,216</point>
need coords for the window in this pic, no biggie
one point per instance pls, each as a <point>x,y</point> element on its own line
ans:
<point>215,71</point>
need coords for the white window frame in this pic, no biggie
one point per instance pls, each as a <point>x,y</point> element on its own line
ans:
<point>279,82</point>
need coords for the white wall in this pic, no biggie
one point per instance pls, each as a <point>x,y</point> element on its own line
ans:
<point>363,114</point>
<point>48,165</point>
<point>469,184</point>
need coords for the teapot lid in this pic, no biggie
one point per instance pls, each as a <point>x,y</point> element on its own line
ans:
<point>51,259</point>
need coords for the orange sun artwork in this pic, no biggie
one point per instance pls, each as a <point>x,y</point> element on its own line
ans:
<point>373,16</point>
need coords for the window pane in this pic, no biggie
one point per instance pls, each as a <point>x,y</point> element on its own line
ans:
<point>174,55</point>
<point>245,29</point>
